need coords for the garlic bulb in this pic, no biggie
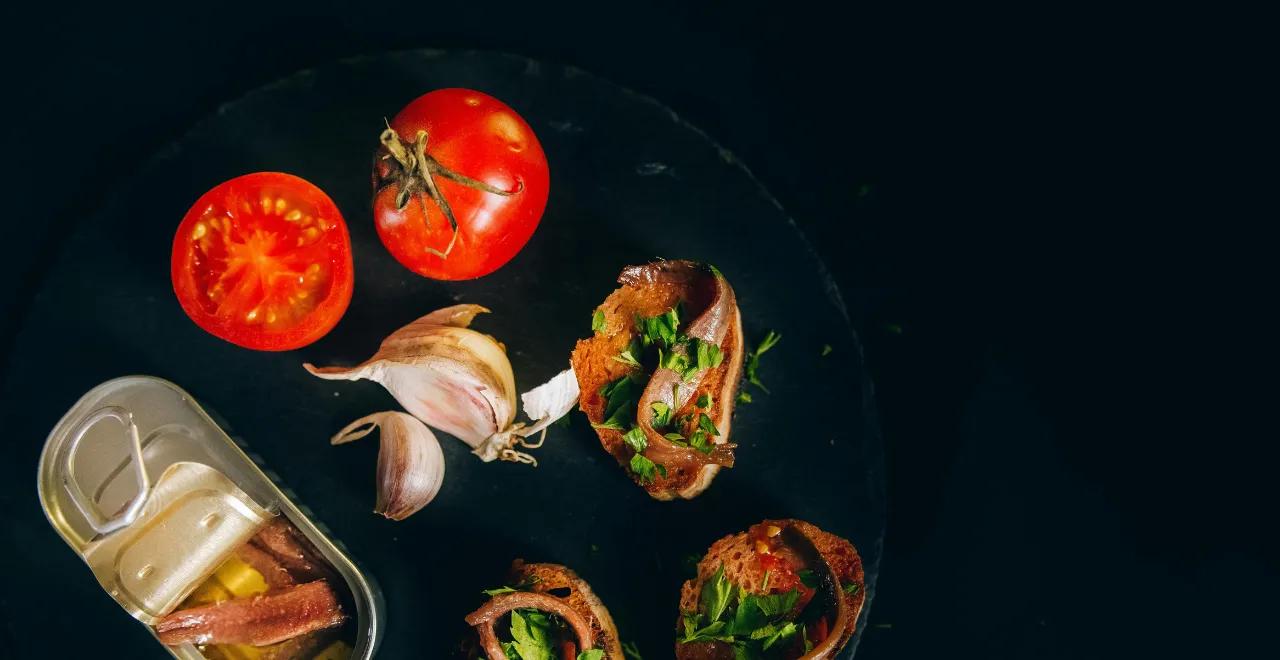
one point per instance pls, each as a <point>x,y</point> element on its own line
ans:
<point>456,380</point>
<point>410,463</point>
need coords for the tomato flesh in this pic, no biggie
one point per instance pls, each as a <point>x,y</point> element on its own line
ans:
<point>263,261</point>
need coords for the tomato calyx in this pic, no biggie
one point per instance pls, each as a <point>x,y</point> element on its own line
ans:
<point>414,172</point>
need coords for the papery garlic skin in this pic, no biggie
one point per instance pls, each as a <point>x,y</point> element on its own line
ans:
<point>410,462</point>
<point>449,376</point>
<point>551,400</point>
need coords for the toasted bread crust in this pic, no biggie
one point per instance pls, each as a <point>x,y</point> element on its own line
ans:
<point>742,566</point>
<point>593,362</point>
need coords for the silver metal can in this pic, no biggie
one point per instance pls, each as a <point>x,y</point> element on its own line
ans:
<point>159,501</point>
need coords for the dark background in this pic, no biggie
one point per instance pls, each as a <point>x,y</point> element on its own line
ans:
<point>980,183</point>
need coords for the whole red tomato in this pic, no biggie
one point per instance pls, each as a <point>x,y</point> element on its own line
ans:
<point>460,183</point>
<point>263,261</point>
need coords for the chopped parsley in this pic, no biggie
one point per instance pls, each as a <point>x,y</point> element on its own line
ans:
<point>661,330</point>
<point>636,439</point>
<point>629,649</point>
<point>530,634</point>
<point>661,415</point>
<point>744,397</point>
<point>597,321</point>
<point>709,355</point>
<point>700,442</point>
<point>676,439</point>
<point>630,356</point>
<point>753,359</point>
<point>705,401</point>
<point>706,425</point>
<point>808,578</point>
<point>851,588</point>
<point>751,623</point>
<point>533,637</point>
<point>620,403</point>
<point>826,350</point>
<point>645,469</point>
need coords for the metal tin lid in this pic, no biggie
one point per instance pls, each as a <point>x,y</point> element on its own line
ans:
<point>190,523</point>
<point>154,496</point>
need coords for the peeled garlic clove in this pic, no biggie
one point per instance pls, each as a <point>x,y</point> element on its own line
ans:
<point>449,376</point>
<point>410,463</point>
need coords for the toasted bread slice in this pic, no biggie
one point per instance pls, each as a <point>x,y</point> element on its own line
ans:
<point>782,548</point>
<point>557,590</point>
<point>648,291</point>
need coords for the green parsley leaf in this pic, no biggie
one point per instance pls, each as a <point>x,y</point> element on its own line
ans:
<point>673,360</point>
<point>677,439</point>
<point>661,414</point>
<point>768,342</point>
<point>597,321</point>
<point>531,634</point>
<point>713,632</point>
<point>773,605</point>
<point>706,425</point>
<point>778,634</point>
<point>690,620</point>
<point>591,654</point>
<point>743,397</point>
<point>808,578</point>
<point>826,350</point>
<point>636,439</point>
<point>620,403</point>
<point>629,649</point>
<point>851,588</point>
<point>645,468</point>
<point>699,441</point>
<point>753,359</point>
<point>709,355</point>
<point>500,590</point>
<point>630,356</point>
<point>661,329</point>
<point>748,616</point>
<point>705,401</point>
<point>715,595</point>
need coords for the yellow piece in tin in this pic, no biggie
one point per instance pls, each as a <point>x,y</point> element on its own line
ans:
<point>232,652</point>
<point>233,579</point>
<point>338,650</point>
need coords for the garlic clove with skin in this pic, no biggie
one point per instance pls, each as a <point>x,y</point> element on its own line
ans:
<point>410,462</point>
<point>449,376</point>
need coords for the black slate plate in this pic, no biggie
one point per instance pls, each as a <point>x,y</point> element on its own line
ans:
<point>630,181</point>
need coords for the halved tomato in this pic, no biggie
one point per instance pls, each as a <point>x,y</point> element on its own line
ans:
<point>264,262</point>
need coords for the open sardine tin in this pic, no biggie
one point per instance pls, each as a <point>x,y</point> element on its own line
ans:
<point>156,498</point>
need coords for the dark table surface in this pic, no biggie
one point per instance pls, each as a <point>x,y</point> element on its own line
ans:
<point>1046,498</point>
